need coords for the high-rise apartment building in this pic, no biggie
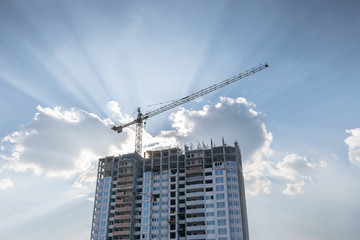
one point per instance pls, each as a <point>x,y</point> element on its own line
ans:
<point>171,194</point>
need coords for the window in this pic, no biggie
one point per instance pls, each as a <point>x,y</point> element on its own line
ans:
<point>219,180</point>
<point>145,212</point>
<point>103,224</point>
<point>210,214</point>
<point>146,182</point>
<point>107,179</point>
<point>231,171</point>
<point>146,204</point>
<point>235,212</point>
<point>145,220</point>
<point>232,164</point>
<point>146,189</point>
<point>210,223</point>
<point>106,186</point>
<point>218,172</point>
<point>235,187</point>
<point>165,187</point>
<point>165,180</point>
<point>221,222</point>
<point>146,174</point>
<point>232,179</point>
<point>209,197</point>
<point>105,201</point>
<point>221,213</point>
<point>220,204</point>
<point>219,188</point>
<point>218,164</point>
<point>145,228</point>
<point>236,230</point>
<point>106,193</point>
<point>102,231</point>
<point>103,216</point>
<point>212,231</point>
<point>104,208</point>
<point>236,221</point>
<point>234,204</point>
<point>210,205</point>
<point>163,195</point>
<point>233,195</point>
<point>145,197</point>
<point>222,231</point>
<point>220,196</point>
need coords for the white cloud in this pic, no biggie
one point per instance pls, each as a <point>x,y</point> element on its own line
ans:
<point>353,143</point>
<point>63,143</point>
<point>294,188</point>
<point>257,183</point>
<point>6,183</point>
<point>67,143</point>
<point>235,119</point>
<point>293,166</point>
<point>296,168</point>
<point>113,109</point>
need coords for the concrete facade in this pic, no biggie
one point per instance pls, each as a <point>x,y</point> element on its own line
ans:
<point>171,194</point>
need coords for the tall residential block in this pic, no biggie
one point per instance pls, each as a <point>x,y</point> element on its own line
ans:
<point>171,194</point>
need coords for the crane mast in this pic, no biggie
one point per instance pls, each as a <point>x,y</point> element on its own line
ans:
<point>141,117</point>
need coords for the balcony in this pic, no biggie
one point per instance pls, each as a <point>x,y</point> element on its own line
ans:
<point>125,179</point>
<point>194,170</point>
<point>122,201</point>
<point>195,228</point>
<point>122,194</point>
<point>129,185</point>
<point>194,194</point>
<point>119,233</point>
<point>196,202</point>
<point>193,179</point>
<point>195,186</point>
<point>195,210</point>
<point>195,219</point>
<point>122,217</point>
<point>127,224</point>
<point>123,209</point>
<point>197,236</point>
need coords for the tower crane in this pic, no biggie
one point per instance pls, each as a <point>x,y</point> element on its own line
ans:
<point>141,117</point>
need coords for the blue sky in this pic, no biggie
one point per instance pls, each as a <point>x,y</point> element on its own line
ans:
<point>71,69</point>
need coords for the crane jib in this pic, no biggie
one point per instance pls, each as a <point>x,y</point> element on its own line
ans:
<point>181,101</point>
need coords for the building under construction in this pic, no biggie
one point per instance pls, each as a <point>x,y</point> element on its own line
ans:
<point>171,194</point>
